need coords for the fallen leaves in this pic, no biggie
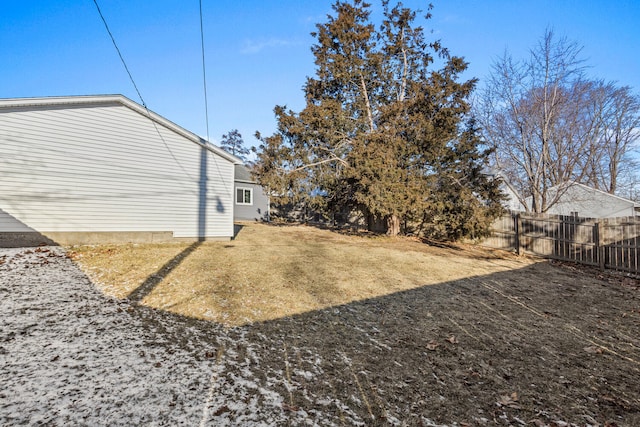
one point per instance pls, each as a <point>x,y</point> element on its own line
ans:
<point>593,349</point>
<point>221,410</point>
<point>614,400</point>
<point>433,345</point>
<point>291,408</point>
<point>509,401</point>
<point>73,255</point>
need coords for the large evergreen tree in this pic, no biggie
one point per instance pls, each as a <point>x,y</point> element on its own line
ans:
<point>381,131</point>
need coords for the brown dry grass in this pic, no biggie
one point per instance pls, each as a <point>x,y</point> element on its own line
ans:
<point>269,272</point>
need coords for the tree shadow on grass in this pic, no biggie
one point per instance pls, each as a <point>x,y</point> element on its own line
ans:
<point>156,278</point>
<point>456,352</point>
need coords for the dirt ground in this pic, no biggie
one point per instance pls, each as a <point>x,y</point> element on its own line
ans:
<point>544,344</point>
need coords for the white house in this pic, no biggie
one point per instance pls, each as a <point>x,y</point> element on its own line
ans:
<point>580,200</point>
<point>88,169</point>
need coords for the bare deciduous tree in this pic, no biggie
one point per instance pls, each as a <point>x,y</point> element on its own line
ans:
<point>551,126</point>
<point>616,116</point>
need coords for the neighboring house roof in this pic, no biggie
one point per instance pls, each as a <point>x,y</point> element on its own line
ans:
<point>588,202</point>
<point>512,202</point>
<point>243,174</point>
<point>70,101</point>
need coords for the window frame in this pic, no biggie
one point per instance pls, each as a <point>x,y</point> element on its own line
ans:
<point>244,192</point>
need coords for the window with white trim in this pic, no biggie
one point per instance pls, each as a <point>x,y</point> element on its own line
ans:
<point>244,196</point>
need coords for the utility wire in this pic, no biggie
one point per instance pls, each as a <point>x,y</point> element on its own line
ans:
<point>206,101</point>
<point>153,122</point>
<point>104,21</point>
<point>204,73</point>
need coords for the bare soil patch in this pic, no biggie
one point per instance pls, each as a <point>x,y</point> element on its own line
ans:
<point>541,345</point>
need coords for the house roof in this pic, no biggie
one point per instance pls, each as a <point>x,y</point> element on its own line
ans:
<point>587,201</point>
<point>88,100</point>
<point>569,184</point>
<point>243,174</point>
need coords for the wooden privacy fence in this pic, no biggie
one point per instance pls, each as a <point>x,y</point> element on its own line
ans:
<point>607,242</point>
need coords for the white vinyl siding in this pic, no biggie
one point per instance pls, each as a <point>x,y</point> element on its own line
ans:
<point>106,168</point>
<point>9,223</point>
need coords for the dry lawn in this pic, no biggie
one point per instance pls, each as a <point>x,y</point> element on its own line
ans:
<point>269,271</point>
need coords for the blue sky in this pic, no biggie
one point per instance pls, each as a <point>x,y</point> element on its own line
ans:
<point>258,52</point>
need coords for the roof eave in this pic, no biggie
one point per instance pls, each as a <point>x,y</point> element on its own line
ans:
<point>123,100</point>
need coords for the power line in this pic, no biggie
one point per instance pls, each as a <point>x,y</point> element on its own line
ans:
<point>153,122</point>
<point>206,101</point>
<point>204,73</point>
<point>104,21</point>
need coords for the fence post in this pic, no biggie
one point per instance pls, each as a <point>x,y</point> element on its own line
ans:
<point>517,225</point>
<point>599,247</point>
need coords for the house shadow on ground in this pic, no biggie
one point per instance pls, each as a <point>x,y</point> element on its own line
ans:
<point>539,343</point>
<point>24,240</point>
<point>22,235</point>
<point>237,228</point>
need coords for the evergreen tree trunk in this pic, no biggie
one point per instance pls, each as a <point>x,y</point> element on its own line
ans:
<point>393,225</point>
